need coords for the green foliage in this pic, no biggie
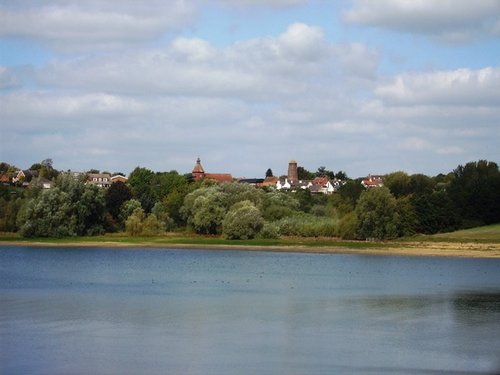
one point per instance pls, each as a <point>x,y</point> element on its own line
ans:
<point>243,221</point>
<point>270,231</point>
<point>277,205</point>
<point>435,213</point>
<point>398,183</point>
<point>164,183</point>
<point>9,210</point>
<point>467,197</point>
<point>48,215</point>
<point>45,169</point>
<point>133,224</point>
<point>209,211</point>
<point>205,208</point>
<point>305,199</point>
<point>304,174</point>
<point>322,171</point>
<point>160,211</point>
<point>475,191</point>
<point>141,182</point>
<point>71,208</point>
<point>421,184</point>
<point>151,226</point>
<point>307,226</point>
<point>377,214</point>
<point>140,224</point>
<point>347,226</point>
<point>117,194</point>
<point>407,217</point>
<point>350,192</point>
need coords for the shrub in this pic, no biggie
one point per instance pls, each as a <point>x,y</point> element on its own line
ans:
<point>243,221</point>
<point>347,227</point>
<point>133,224</point>
<point>270,231</point>
<point>307,226</point>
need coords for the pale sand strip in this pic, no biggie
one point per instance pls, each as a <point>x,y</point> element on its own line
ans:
<point>440,249</point>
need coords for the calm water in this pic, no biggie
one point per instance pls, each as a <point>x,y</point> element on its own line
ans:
<point>102,311</point>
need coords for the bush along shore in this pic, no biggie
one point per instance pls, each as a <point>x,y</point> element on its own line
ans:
<point>151,205</point>
<point>483,242</point>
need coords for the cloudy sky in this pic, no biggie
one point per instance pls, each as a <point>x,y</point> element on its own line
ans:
<point>361,86</point>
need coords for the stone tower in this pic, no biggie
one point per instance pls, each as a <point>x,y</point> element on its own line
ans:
<point>293,175</point>
<point>198,171</point>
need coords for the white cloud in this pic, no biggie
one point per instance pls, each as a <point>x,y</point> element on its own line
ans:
<point>264,100</point>
<point>83,25</point>
<point>256,69</point>
<point>457,87</point>
<point>447,20</point>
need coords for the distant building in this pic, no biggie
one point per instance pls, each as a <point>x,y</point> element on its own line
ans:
<point>372,181</point>
<point>101,180</point>
<point>119,178</point>
<point>24,177</point>
<point>319,185</point>
<point>199,173</point>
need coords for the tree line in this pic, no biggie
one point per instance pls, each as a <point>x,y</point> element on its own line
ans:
<point>152,203</point>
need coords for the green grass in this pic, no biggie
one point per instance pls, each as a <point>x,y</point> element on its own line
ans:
<point>486,234</point>
<point>190,239</point>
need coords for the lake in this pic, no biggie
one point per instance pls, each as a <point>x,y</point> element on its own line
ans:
<point>157,311</point>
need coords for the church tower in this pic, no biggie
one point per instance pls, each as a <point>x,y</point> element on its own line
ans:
<point>198,171</point>
<point>293,175</point>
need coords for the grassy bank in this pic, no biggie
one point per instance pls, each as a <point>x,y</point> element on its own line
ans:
<point>172,240</point>
<point>486,234</point>
<point>478,242</point>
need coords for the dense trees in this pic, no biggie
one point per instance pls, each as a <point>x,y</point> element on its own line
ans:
<point>71,208</point>
<point>155,202</point>
<point>475,190</point>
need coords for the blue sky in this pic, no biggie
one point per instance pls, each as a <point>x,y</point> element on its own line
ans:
<point>359,86</point>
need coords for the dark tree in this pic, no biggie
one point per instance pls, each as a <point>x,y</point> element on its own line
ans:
<point>304,174</point>
<point>140,181</point>
<point>341,175</point>
<point>322,172</point>
<point>269,173</point>
<point>475,191</point>
<point>116,195</point>
<point>435,213</point>
<point>351,191</point>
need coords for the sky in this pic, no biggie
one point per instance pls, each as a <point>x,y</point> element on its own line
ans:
<point>362,86</point>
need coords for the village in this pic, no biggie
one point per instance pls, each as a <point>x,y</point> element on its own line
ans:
<point>322,184</point>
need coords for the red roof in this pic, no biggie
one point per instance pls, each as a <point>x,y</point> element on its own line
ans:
<point>219,177</point>
<point>320,181</point>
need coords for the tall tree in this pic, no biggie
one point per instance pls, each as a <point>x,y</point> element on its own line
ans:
<point>304,174</point>
<point>116,195</point>
<point>475,190</point>
<point>377,214</point>
<point>323,172</point>
<point>140,181</point>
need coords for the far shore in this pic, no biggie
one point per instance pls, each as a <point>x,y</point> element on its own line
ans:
<point>396,248</point>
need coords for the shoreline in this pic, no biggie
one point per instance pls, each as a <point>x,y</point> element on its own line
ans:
<point>412,249</point>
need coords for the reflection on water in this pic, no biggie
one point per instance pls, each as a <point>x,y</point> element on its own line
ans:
<point>477,308</point>
<point>81,311</point>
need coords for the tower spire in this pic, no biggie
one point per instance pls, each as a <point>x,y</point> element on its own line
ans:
<point>198,172</point>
